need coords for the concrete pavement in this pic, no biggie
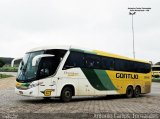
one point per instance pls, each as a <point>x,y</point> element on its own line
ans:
<point>10,103</point>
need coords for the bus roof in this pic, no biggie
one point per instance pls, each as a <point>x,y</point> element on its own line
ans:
<point>117,56</point>
<point>49,47</point>
<point>79,49</point>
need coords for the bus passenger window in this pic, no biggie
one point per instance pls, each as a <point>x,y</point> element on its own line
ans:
<point>75,59</point>
<point>92,61</point>
<point>108,63</point>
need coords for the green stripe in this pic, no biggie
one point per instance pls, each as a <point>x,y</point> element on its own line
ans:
<point>83,51</point>
<point>93,79</point>
<point>99,79</point>
<point>77,50</point>
<point>89,52</point>
<point>25,84</point>
<point>104,78</point>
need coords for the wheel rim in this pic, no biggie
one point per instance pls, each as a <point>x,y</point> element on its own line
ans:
<point>130,92</point>
<point>67,94</point>
<point>137,92</point>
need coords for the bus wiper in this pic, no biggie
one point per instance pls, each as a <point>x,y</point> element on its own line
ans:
<point>24,68</point>
<point>21,65</point>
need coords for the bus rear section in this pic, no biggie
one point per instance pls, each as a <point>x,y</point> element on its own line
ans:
<point>109,74</point>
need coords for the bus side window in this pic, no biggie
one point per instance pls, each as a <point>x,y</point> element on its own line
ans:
<point>129,66</point>
<point>108,63</point>
<point>138,67</point>
<point>93,61</point>
<point>148,68</point>
<point>120,65</point>
<point>75,59</point>
<point>143,67</point>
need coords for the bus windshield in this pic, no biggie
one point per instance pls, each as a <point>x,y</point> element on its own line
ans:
<point>26,71</point>
<point>45,66</point>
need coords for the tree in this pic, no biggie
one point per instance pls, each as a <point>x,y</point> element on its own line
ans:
<point>1,63</point>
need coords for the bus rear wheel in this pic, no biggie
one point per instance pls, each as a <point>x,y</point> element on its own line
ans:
<point>137,92</point>
<point>66,94</point>
<point>129,92</point>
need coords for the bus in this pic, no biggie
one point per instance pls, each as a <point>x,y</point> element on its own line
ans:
<point>67,71</point>
<point>156,71</point>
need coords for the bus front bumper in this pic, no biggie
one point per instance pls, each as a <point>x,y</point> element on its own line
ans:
<point>28,92</point>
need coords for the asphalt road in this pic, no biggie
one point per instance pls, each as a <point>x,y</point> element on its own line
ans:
<point>19,107</point>
<point>155,90</point>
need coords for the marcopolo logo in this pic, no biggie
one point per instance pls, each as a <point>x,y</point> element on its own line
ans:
<point>127,76</point>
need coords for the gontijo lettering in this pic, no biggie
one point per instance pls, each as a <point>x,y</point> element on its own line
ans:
<point>127,76</point>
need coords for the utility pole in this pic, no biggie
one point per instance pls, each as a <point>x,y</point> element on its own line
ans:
<point>130,13</point>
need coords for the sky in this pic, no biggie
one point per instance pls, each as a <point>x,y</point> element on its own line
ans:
<point>95,24</point>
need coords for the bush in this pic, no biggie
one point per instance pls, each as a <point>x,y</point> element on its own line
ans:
<point>4,76</point>
<point>8,69</point>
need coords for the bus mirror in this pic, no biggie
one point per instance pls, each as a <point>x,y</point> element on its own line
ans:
<point>36,58</point>
<point>12,63</point>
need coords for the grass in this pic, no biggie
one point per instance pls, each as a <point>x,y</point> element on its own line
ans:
<point>5,76</point>
<point>8,69</point>
<point>156,79</point>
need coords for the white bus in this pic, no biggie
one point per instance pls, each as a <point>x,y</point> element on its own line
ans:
<point>156,71</point>
<point>67,71</point>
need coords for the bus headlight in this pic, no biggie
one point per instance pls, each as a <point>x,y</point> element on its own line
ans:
<point>31,86</point>
<point>34,85</point>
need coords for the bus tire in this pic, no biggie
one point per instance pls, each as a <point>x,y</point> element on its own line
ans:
<point>129,92</point>
<point>66,94</point>
<point>137,91</point>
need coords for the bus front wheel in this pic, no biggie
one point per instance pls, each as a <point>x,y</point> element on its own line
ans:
<point>66,94</point>
<point>129,92</point>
